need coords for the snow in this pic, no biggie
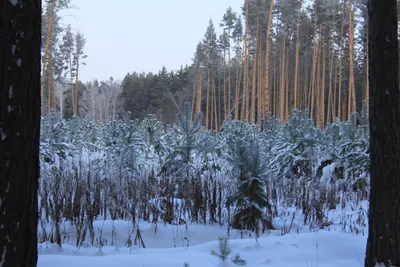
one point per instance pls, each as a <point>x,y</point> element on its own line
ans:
<point>14,2</point>
<point>19,61</point>
<point>2,261</point>
<point>10,92</point>
<point>13,49</point>
<point>2,134</point>
<point>322,248</point>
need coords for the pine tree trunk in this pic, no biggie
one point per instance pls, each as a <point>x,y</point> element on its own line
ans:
<point>322,97</point>
<point>334,111</point>
<point>275,86</point>
<point>266,71</point>
<point>282,87</point>
<point>314,62</point>
<point>253,84</point>
<point>287,87</point>
<point>260,80</point>
<point>340,113</point>
<point>193,99</point>
<point>317,86</point>
<point>237,93</point>
<point>76,86</point>
<point>72,83</point>
<point>229,78</point>
<point>296,68</point>
<point>351,94</point>
<point>47,49</point>
<point>199,89</point>
<point>383,245</point>
<point>330,97</point>
<point>207,97</point>
<point>245,105</point>
<point>367,83</point>
<point>306,85</point>
<point>215,107</point>
<point>20,97</point>
<point>49,78</point>
<point>225,98</point>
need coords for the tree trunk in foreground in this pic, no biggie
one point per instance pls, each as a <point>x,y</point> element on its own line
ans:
<point>20,41</point>
<point>383,247</point>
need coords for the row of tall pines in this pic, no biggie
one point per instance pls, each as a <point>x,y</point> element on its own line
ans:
<point>62,56</point>
<point>288,55</point>
<point>269,59</point>
<point>274,57</point>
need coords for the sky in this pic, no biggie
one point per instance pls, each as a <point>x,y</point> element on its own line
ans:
<point>133,35</point>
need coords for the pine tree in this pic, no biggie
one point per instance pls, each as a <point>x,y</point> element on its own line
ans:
<point>77,56</point>
<point>250,173</point>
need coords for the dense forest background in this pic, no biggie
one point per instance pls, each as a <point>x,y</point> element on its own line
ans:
<point>273,58</point>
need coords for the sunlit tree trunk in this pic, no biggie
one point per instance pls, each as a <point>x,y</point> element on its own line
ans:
<point>266,71</point>
<point>340,69</point>
<point>352,90</point>
<point>296,68</point>
<point>282,83</point>
<point>47,49</point>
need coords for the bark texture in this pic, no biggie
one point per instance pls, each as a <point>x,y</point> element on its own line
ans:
<point>383,245</point>
<point>20,40</point>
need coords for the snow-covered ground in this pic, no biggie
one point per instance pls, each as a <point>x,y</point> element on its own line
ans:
<point>172,246</point>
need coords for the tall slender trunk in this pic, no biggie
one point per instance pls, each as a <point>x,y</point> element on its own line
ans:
<point>266,71</point>
<point>193,98</point>
<point>322,100</point>
<point>47,48</point>
<point>340,69</point>
<point>215,107</point>
<point>225,97</point>
<point>199,89</point>
<point>229,76</point>
<point>207,96</point>
<point>351,93</point>
<point>49,82</point>
<point>245,105</point>
<point>72,83</point>
<point>334,111</point>
<point>296,68</point>
<point>275,86</point>
<point>330,104</point>
<point>367,82</point>
<point>306,88</point>
<point>260,79</point>
<point>282,87</point>
<point>287,87</point>
<point>253,83</point>
<point>317,86</point>
<point>314,61</point>
<point>76,86</point>
<point>237,92</point>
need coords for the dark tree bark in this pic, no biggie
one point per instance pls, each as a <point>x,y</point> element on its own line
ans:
<point>384,215</point>
<point>20,40</point>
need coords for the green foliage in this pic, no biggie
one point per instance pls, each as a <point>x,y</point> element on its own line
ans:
<point>182,173</point>
<point>223,249</point>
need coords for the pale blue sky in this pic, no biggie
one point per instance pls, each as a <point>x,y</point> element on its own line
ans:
<point>141,35</point>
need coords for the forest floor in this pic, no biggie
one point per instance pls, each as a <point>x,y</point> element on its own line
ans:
<point>172,246</point>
